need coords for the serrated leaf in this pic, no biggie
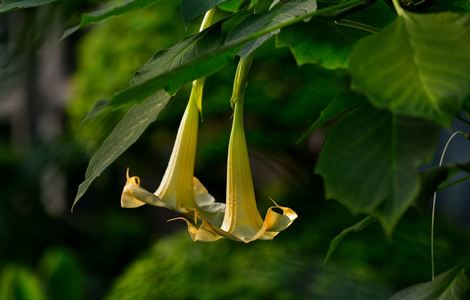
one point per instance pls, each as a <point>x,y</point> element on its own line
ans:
<point>328,43</point>
<point>126,133</point>
<point>191,9</point>
<point>451,285</point>
<point>351,229</point>
<point>338,105</point>
<point>103,14</point>
<point>419,66</point>
<point>8,5</point>
<point>370,162</point>
<point>281,13</point>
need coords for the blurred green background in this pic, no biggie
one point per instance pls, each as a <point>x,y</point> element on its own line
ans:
<point>103,251</point>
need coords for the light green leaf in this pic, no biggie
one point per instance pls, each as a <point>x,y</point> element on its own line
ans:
<point>451,285</point>
<point>338,105</point>
<point>191,9</point>
<point>419,66</point>
<point>8,5</point>
<point>280,14</point>
<point>102,14</point>
<point>351,229</point>
<point>129,129</point>
<point>370,162</point>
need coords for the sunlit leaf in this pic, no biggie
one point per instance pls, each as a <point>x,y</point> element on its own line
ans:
<point>370,162</point>
<point>451,285</point>
<point>419,66</point>
<point>129,129</point>
<point>103,14</point>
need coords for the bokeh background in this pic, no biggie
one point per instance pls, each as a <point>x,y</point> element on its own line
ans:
<point>48,85</point>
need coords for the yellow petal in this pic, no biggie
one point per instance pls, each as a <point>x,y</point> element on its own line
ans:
<point>134,196</point>
<point>176,188</point>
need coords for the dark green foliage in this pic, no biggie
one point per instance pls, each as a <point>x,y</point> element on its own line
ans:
<point>370,162</point>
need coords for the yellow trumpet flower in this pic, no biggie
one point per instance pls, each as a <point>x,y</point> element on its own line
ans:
<point>179,190</point>
<point>241,221</point>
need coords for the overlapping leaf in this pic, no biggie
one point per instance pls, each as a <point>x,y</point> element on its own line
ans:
<point>280,14</point>
<point>102,14</point>
<point>328,43</point>
<point>370,162</point>
<point>419,66</point>
<point>180,67</point>
<point>129,129</point>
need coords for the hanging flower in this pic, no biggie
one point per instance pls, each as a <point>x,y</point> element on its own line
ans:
<point>241,221</point>
<point>179,190</point>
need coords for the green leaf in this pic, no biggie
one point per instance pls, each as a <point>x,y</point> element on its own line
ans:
<point>419,66</point>
<point>185,61</point>
<point>8,5</point>
<point>340,104</point>
<point>451,285</point>
<point>184,51</point>
<point>103,14</point>
<point>129,129</point>
<point>370,162</point>
<point>280,14</point>
<point>231,5</point>
<point>351,229</point>
<point>191,9</point>
<point>320,42</point>
<point>328,43</point>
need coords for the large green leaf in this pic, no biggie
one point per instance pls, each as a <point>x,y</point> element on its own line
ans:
<point>281,13</point>
<point>419,66</point>
<point>110,11</point>
<point>370,162</point>
<point>451,285</point>
<point>329,43</point>
<point>185,61</point>
<point>191,9</point>
<point>129,129</point>
<point>7,5</point>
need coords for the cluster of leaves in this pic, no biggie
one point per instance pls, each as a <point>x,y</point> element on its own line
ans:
<point>408,64</point>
